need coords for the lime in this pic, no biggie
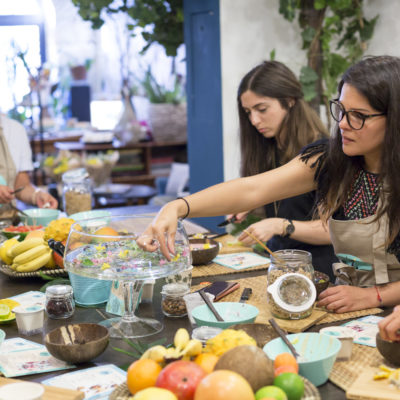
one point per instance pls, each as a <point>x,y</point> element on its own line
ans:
<point>4,311</point>
<point>272,392</point>
<point>291,384</point>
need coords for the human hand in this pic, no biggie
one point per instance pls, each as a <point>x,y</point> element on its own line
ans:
<point>343,298</point>
<point>262,230</point>
<point>45,199</point>
<point>240,217</point>
<point>389,327</point>
<point>6,194</point>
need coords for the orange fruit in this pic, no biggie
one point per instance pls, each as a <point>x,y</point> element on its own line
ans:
<point>106,231</point>
<point>285,359</point>
<point>285,368</point>
<point>206,361</point>
<point>142,374</point>
<point>223,385</point>
<point>291,384</point>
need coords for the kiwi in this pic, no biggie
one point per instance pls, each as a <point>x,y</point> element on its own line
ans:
<point>250,362</point>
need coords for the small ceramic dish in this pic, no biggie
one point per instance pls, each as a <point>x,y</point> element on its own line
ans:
<point>232,313</point>
<point>203,250</point>
<point>39,216</point>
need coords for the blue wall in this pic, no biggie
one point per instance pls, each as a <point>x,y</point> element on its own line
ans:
<point>204,101</point>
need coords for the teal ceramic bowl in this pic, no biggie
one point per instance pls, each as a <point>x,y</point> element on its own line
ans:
<point>317,351</point>
<point>39,216</point>
<point>232,313</point>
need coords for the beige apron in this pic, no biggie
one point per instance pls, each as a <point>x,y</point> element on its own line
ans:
<point>7,170</point>
<point>365,240</point>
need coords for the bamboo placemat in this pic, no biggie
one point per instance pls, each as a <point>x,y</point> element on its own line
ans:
<point>229,246</point>
<point>333,317</point>
<point>259,299</point>
<point>344,373</point>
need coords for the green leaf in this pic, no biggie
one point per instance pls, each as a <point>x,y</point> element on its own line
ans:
<point>319,4</point>
<point>308,35</point>
<point>272,55</point>
<point>288,9</point>
<point>249,220</point>
<point>128,353</point>
<point>308,78</point>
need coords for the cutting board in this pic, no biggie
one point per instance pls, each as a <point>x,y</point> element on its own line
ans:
<point>365,388</point>
<point>51,392</point>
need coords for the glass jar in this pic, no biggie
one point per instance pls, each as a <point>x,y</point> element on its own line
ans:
<point>291,291</point>
<point>77,191</point>
<point>172,301</point>
<point>59,301</point>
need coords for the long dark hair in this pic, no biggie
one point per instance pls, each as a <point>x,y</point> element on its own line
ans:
<point>378,79</point>
<point>300,126</point>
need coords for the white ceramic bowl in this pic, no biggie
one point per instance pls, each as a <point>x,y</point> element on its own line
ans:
<point>22,390</point>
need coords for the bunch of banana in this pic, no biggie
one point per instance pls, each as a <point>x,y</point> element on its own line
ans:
<point>184,348</point>
<point>29,255</point>
<point>3,250</point>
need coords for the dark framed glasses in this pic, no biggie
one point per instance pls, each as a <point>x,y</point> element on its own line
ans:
<point>355,119</point>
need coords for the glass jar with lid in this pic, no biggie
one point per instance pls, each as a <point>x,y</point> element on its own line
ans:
<point>172,301</point>
<point>291,291</point>
<point>77,191</point>
<point>59,301</point>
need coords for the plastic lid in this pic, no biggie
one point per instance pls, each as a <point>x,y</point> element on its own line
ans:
<point>59,290</point>
<point>75,175</point>
<point>203,333</point>
<point>175,289</point>
<point>293,292</point>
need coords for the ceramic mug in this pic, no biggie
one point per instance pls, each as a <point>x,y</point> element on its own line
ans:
<point>184,276</point>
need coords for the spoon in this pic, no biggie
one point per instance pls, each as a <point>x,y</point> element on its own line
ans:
<point>210,305</point>
<point>282,334</point>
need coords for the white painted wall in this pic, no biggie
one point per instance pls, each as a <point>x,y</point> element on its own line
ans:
<point>250,29</point>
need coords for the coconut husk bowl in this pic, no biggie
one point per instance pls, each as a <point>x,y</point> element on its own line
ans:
<point>203,256</point>
<point>77,343</point>
<point>389,350</point>
<point>262,333</point>
<point>321,281</point>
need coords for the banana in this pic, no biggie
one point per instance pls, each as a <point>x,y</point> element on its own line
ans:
<point>25,245</point>
<point>35,264</point>
<point>30,254</point>
<point>193,348</point>
<point>155,353</point>
<point>3,250</point>
<point>181,339</point>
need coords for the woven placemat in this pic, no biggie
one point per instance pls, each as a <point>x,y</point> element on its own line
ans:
<point>333,317</point>
<point>229,246</point>
<point>344,373</point>
<point>121,392</point>
<point>259,299</point>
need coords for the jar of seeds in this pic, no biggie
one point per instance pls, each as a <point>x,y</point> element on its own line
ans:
<point>77,191</point>
<point>172,302</point>
<point>291,292</point>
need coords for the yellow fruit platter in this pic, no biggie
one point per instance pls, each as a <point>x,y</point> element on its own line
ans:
<point>6,305</point>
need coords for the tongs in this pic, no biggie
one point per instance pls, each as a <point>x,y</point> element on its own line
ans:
<point>58,247</point>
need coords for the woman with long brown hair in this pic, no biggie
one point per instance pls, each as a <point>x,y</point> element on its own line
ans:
<point>275,124</point>
<point>356,175</point>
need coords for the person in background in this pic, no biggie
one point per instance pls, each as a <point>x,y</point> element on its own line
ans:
<point>356,174</point>
<point>275,124</point>
<point>15,164</point>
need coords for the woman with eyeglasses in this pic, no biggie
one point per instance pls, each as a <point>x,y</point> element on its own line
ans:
<point>275,124</point>
<point>356,175</point>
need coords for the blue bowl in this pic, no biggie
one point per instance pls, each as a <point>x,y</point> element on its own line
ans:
<point>39,216</point>
<point>317,351</point>
<point>232,313</point>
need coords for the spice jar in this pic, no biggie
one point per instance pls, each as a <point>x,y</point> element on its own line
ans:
<point>77,191</point>
<point>59,301</point>
<point>172,302</point>
<point>291,291</point>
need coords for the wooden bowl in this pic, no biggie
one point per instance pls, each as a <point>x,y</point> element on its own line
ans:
<point>77,343</point>
<point>389,350</point>
<point>203,256</point>
<point>321,281</point>
<point>262,333</point>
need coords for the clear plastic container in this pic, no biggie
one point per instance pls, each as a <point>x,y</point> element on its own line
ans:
<point>172,302</point>
<point>59,301</point>
<point>77,191</point>
<point>291,291</point>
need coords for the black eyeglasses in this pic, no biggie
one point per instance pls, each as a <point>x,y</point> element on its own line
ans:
<point>355,119</point>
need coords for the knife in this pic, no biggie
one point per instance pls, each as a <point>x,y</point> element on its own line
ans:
<point>245,294</point>
<point>227,221</point>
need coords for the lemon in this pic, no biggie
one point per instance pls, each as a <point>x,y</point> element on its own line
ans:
<point>4,311</point>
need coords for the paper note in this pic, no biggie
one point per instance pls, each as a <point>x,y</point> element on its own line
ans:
<point>365,329</point>
<point>30,298</point>
<point>240,261</point>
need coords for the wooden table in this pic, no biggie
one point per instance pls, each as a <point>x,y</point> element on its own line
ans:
<point>11,287</point>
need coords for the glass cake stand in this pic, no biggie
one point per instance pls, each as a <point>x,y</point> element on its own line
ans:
<point>105,248</point>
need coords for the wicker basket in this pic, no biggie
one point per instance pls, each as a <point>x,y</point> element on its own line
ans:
<point>168,122</point>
